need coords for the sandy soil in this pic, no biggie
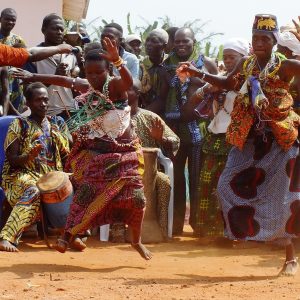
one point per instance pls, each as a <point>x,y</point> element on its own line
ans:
<point>181,269</point>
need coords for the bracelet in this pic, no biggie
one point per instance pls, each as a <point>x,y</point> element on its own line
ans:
<point>123,64</point>
<point>203,76</point>
<point>200,93</point>
<point>119,62</point>
<point>73,83</point>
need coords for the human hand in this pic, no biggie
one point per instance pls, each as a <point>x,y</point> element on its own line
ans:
<point>185,70</point>
<point>21,74</point>
<point>35,151</point>
<point>296,32</point>
<point>62,69</point>
<point>156,130</point>
<point>64,48</point>
<point>112,52</point>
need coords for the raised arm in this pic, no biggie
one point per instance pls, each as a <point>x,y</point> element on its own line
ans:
<point>78,84</point>
<point>124,82</point>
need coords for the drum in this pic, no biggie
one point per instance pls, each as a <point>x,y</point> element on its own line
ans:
<point>151,232</point>
<point>56,195</point>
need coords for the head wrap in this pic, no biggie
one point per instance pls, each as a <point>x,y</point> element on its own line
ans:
<point>287,39</point>
<point>239,45</point>
<point>161,33</point>
<point>287,27</point>
<point>132,37</point>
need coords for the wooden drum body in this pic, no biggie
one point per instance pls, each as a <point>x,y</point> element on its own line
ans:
<point>56,195</point>
<point>151,232</point>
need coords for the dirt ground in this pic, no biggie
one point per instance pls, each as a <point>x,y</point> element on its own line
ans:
<point>180,269</point>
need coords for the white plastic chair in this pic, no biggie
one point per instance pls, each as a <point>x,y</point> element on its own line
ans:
<point>168,167</point>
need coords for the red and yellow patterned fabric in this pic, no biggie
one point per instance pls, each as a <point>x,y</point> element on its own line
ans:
<point>278,115</point>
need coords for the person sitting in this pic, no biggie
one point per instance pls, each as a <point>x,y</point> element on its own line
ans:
<point>154,133</point>
<point>34,146</point>
<point>106,159</point>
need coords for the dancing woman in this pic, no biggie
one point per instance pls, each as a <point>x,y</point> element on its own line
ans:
<point>106,158</point>
<point>259,189</point>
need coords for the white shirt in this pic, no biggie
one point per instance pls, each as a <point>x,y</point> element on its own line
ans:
<point>222,119</point>
<point>60,98</point>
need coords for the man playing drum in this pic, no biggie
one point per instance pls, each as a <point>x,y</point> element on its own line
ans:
<point>34,146</point>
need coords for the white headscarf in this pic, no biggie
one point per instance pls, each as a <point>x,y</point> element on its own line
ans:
<point>239,45</point>
<point>287,39</point>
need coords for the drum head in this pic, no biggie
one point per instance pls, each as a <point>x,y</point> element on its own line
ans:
<point>51,181</point>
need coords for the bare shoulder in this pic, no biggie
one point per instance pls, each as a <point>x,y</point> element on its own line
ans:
<point>210,65</point>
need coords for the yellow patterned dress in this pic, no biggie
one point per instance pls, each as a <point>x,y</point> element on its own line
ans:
<point>20,183</point>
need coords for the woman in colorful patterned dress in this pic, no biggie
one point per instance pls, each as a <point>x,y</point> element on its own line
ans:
<point>215,149</point>
<point>106,158</point>
<point>259,189</point>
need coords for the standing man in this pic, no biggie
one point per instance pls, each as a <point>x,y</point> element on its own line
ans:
<point>189,132</point>
<point>60,99</point>
<point>156,86</point>
<point>8,18</point>
<point>114,32</point>
<point>135,43</point>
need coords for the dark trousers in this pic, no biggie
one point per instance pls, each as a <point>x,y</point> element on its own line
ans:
<point>190,153</point>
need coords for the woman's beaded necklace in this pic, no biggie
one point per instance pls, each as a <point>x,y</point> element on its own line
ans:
<point>269,71</point>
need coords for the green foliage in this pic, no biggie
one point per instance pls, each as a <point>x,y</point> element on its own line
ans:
<point>198,26</point>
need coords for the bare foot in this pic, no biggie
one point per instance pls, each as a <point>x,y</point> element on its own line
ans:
<point>7,246</point>
<point>78,244</point>
<point>61,245</point>
<point>290,268</point>
<point>142,250</point>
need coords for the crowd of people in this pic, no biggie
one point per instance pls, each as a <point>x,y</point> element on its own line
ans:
<point>230,129</point>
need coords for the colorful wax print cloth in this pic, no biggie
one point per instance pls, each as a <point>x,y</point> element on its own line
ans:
<point>107,176</point>
<point>20,183</point>
<point>214,154</point>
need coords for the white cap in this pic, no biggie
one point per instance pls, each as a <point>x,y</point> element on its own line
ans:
<point>132,37</point>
